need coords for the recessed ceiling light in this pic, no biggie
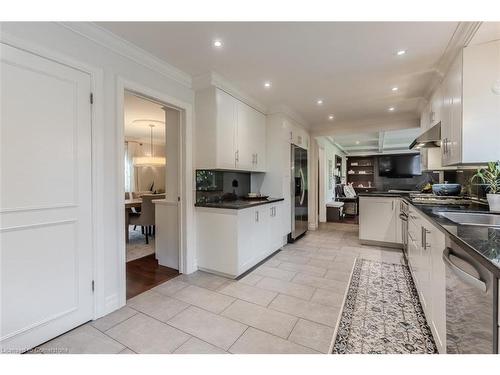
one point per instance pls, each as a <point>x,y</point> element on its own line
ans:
<point>267,84</point>
<point>391,109</point>
<point>218,43</point>
<point>319,101</point>
<point>395,88</point>
<point>401,52</point>
<point>357,142</point>
<point>330,117</point>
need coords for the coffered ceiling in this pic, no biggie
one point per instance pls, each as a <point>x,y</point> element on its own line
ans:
<point>351,66</point>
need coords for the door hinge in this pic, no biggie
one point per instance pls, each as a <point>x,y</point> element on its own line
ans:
<point>93,285</point>
<point>91,98</point>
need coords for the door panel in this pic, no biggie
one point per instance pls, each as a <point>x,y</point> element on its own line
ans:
<point>45,205</point>
<point>226,130</point>
<point>245,137</point>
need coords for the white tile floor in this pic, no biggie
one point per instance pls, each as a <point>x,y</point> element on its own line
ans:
<point>290,304</point>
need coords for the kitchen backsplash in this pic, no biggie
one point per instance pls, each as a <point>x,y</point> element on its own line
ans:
<point>463,177</point>
<point>211,186</point>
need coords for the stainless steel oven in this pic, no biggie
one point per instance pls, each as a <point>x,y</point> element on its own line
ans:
<point>403,216</point>
<point>471,304</point>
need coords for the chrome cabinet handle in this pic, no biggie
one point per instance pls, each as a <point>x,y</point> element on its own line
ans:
<point>257,216</point>
<point>461,274</point>
<point>256,158</point>
<point>237,155</point>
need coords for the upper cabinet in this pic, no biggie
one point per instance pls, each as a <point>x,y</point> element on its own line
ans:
<point>435,108</point>
<point>470,112</point>
<point>229,134</point>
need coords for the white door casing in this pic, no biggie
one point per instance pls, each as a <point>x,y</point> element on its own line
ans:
<point>46,258</point>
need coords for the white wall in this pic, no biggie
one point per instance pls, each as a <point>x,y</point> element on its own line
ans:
<point>57,40</point>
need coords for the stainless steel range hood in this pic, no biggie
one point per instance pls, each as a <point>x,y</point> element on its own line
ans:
<point>430,138</point>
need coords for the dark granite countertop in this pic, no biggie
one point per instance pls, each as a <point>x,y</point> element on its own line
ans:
<point>239,204</point>
<point>483,241</point>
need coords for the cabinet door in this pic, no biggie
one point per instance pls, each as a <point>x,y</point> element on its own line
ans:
<point>259,141</point>
<point>481,102</point>
<point>275,227</point>
<point>446,125</point>
<point>436,246</point>
<point>377,219</point>
<point>226,130</point>
<point>245,137</point>
<point>436,107</point>
<point>454,133</point>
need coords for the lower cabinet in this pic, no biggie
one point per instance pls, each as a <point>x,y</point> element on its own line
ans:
<point>379,219</point>
<point>425,250</point>
<point>230,242</point>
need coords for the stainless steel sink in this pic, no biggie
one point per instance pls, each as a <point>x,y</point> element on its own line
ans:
<point>466,218</point>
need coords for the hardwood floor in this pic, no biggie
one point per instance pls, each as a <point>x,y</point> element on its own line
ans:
<point>145,273</point>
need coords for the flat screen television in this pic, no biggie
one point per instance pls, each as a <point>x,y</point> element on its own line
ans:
<point>399,166</point>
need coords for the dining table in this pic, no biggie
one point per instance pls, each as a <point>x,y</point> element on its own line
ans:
<point>129,204</point>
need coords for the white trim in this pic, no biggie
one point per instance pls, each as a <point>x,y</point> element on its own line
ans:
<point>186,173</point>
<point>203,81</point>
<point>128,50</point>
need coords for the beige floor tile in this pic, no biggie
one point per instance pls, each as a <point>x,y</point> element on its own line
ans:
<point>275,273</point>
<point>312,335</point>
<point>304,268</point>
<point>250,279</point>
<point>322,256</point>
<point>305,309</point>
<point>254,341</point>
<point>338,275</point>
<point>157,305</point>
<point>209,327</point>
<point>328,297</point>
<point>320,282</point>
<point>144,334</point>
<point>197,346</point>
<point>273,262</point>
<point>291,258</point>
<point>286,287</point>
<point>112,319</point>
<point>204,298</point>
<point>249,293</point>
<point>127,351</point>
<point>82,340</point>
<point>268,320</point>
<point>170,287</point>
<point>204,280</point>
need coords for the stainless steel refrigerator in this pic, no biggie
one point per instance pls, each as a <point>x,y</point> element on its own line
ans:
<point>299,190</point>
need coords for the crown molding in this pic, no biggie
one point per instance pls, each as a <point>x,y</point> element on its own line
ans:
<point>209,79</point>
<point>128,50</point>
<point>463,34</point>
<point>291,114</point>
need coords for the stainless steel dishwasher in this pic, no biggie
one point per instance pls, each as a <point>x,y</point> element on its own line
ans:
<point>471,304</point>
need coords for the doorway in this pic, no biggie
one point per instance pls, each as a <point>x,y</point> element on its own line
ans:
<point>151,155</point>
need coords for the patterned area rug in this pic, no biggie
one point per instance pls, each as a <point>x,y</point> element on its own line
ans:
<point>382,313</point>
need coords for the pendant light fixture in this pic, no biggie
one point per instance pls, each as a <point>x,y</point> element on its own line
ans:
<point>151,160</point>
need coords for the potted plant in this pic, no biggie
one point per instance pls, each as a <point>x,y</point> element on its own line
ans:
<point>490,178</point>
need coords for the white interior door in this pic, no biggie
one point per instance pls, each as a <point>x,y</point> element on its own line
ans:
<point>45,200</point>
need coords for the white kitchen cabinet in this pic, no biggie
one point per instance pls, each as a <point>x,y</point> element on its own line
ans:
<point>229,134</point>
<point>426,244</point>
<point>436,105</point>
<point>379,219</point>
<point>469,127</point>
<point>230,242</point>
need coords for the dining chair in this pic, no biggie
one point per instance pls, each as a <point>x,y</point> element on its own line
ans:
<point>146,217</point>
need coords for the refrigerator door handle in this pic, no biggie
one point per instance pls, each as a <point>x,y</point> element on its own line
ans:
<point>303,191</point>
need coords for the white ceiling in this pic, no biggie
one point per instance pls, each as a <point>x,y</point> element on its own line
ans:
<point>350,65</point>
<point>393,141</point>
<point>136,108</point>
